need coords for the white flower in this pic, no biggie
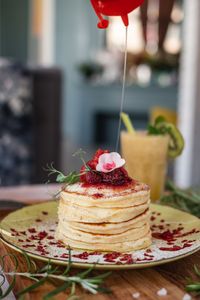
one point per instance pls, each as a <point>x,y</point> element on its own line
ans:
<point>109,162</point>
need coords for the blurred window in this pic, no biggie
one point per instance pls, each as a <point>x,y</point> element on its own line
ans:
<point>156,26</point>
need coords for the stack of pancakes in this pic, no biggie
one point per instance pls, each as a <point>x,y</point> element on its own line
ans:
<point>105,218</point>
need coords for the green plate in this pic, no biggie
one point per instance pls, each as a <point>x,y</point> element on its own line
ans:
<point>31,229</point>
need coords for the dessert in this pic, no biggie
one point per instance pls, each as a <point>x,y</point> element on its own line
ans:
<point>105,210</point>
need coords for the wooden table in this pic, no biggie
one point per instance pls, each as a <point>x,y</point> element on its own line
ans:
<point>123,284</point>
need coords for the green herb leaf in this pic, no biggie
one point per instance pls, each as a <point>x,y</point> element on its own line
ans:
<point>29,263</point>
<point>66,271</point>
<point>58,290</point>
<point>103,276</point>
<point>86,272</point>
<point>185,200</point>
<point>152,130</point>
<point>80,153</point>
<point>194,286</point>
<point>197,271</point>
<point>159,119</point>
<point>50,273</point>
<point>32,287</point>
<point>157,128</point>
<point>71,178</point>
<point>61,178</point>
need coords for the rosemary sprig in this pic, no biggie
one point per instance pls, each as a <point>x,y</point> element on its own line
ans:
<point>72,177</point>
<point>194,286</point>
<point>48,273</point>
<point>186,200</point>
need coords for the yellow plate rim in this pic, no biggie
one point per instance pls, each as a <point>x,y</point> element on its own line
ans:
<point>103,266</point>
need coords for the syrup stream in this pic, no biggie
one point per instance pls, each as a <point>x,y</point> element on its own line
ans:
<point>123,91</point>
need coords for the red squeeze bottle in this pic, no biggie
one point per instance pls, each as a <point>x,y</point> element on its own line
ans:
<point>114,8</point>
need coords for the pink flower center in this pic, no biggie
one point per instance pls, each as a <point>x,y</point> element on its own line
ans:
<point>109,166</point>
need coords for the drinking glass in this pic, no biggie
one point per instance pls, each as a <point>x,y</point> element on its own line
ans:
<point>146,159</point>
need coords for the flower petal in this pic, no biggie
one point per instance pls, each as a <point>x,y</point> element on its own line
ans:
<point>109,161</point>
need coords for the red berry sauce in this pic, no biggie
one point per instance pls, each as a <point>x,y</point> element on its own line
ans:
<point>117,177</point>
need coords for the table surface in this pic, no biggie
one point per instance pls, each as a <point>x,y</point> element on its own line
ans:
<point>123,284</point>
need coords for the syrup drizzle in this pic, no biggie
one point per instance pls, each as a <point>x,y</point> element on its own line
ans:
<point>123,90</point>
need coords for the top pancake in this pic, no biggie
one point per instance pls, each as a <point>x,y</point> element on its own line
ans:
<point>134,194</point>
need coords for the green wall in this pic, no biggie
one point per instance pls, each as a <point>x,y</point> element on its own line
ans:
<point>14,20</point>
<point>77,39</point>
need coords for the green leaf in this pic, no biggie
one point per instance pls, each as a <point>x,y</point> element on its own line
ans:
<point>153,130</point>
<point>103,276</point>
<point>13,257</point>
<point>2,264</point>
<point>32,287</point>
<point>170,185</point>
<point>80,153</point>
<point>49,273</point>
<point>185,200</point>
<point>28,261</point>
<point>71,178</point>
<point>195,287</point>
<point>86,272</point>
<point>69,263</point>
<point>159,119</point>
<point>73,289</point>
<point>104,290</point>
<point>197,271</point>
<point>61,178</point>
<point>89,287</point>
<point>54,270</point>
<point>58,290</point>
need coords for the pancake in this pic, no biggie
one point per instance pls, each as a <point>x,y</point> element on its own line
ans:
<point>109,228</point>
<point>106,218</point>
<point>129,235</point>
<point>78,194</point>
<point>95,214</point>
<point>141,243</point>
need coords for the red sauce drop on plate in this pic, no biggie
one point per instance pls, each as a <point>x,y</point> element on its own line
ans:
<point>83,255</point>
<point>32,230</point>
<point>175,248</point>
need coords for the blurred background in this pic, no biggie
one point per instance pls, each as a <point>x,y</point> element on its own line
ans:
<point>61,80</point>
